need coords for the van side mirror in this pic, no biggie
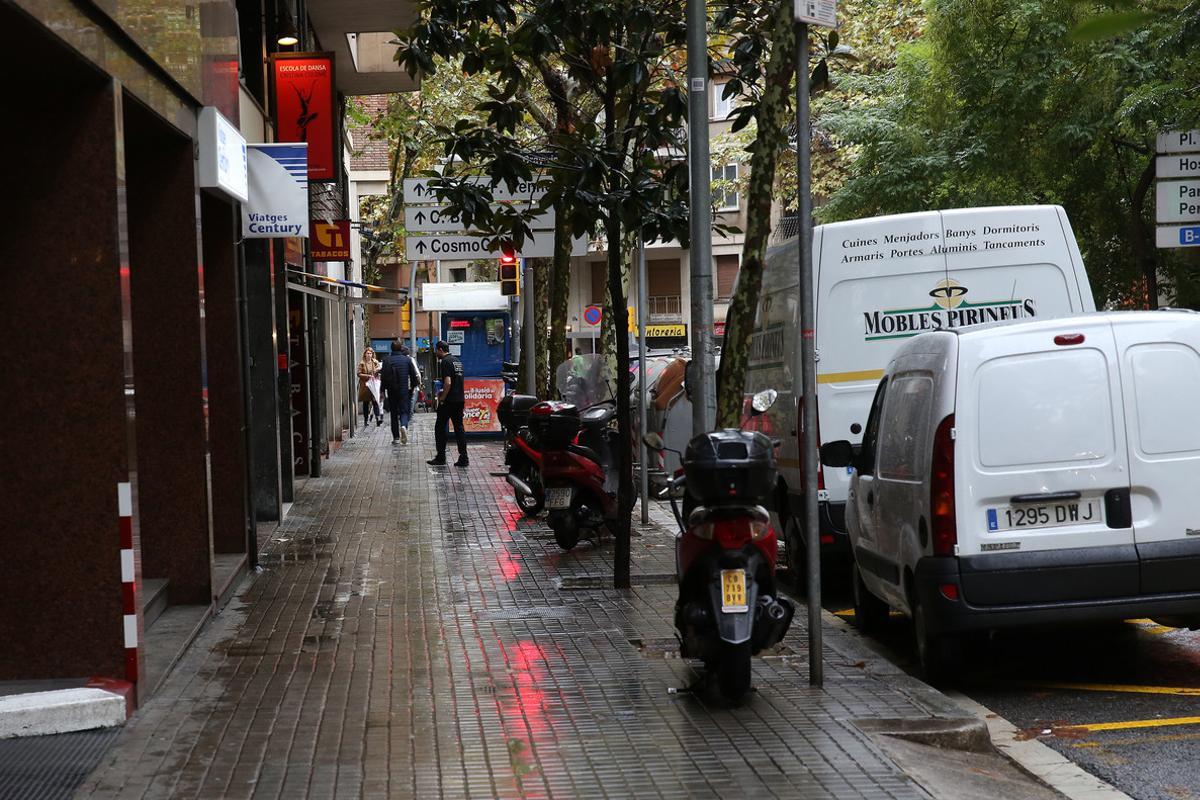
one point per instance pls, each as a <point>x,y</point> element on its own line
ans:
<point>837,454</point>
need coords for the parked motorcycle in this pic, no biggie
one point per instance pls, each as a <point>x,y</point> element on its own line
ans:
<point>522,453</point>
<point>728,609</point>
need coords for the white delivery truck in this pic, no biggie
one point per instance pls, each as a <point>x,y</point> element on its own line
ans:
<point>1025,474</point>
<point>880,281</point>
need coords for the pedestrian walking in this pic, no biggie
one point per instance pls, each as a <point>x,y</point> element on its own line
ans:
<point>399,374</point>
<point>369,387</point>
<point>449,407</point>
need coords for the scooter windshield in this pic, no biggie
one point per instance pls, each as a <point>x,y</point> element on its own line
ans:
<point>580,380</point>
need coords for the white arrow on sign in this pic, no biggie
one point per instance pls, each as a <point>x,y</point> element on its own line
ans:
<point>1177,201</point>
<point>465,248</point>
<point>431,219</point>
<point>1182,165</point>
<point>416,190</point>
<point>1179,142</point>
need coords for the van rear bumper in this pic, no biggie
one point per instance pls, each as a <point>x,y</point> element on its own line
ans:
<point>960,616</point>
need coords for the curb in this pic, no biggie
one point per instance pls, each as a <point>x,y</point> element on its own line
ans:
<point>102,703</point>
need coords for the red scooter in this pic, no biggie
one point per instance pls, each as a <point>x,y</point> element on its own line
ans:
<point>522,453</point>
<point>578,468</point>
<point>727,609</point>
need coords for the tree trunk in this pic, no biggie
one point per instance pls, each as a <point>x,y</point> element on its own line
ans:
<point>1145,249</point>
<point>541,302</point>
<point>769,142</point>
<point>560,292</point>
<point>619,313</point>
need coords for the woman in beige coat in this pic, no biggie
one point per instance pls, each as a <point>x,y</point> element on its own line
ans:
<point>368,387</point>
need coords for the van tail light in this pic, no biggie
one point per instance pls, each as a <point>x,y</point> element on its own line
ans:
<point>941,490</point>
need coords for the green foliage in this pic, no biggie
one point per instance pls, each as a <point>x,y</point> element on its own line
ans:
<point>999,103</point>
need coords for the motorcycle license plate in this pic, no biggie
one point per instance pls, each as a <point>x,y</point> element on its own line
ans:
<point>558,497</point>
<point>733,590</point>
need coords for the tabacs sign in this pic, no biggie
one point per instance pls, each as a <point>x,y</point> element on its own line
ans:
<point>330,240</point>
<point>950,309</point>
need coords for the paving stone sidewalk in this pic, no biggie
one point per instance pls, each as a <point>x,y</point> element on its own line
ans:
<point>412,635</point>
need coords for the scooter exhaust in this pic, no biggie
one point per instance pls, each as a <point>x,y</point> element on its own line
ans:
<point>518,484</point>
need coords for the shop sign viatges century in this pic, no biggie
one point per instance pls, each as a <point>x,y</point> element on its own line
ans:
<point>277,196</point>
<point>222,155</point>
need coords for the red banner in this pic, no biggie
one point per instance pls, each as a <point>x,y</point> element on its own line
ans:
<point>305,108</point>
<point>330,240</point>
<point>481,396</point>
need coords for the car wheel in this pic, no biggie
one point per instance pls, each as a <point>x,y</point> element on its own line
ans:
<point>870,613</point>
<point>940,656</point>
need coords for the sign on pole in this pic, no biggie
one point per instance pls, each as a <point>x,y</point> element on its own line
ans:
<point>817,12</point>
<point>1177,201</point>
<point>449,247</point>
<point>277,191</point>
<point>417,190</point>
<point>433,219</point>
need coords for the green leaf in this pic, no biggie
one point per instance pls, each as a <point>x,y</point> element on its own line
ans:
<point>1108,26</point>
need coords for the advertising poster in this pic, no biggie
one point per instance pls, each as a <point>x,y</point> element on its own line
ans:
<point>481,396</point>
<point>277,203</point>
<point>304,108</point>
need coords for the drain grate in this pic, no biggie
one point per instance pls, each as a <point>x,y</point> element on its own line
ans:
<point>51,767</point>
<point>578,582</point>
<point>535,612</point>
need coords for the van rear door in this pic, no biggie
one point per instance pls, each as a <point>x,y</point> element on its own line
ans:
<point>1160,366</point>
<point>1041,472</point>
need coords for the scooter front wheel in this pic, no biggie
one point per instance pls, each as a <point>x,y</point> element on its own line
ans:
<point>733,670</point>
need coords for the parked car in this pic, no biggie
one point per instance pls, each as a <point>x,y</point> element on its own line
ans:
<point>1032,473</point>
<point>879,282</point>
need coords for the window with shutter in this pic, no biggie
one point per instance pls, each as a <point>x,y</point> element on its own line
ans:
<point>727,270</point>
<point>599,276</point>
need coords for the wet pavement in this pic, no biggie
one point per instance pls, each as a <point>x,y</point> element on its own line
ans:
<point>413,636</point>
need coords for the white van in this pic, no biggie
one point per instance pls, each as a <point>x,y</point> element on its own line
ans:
<point>879,282</point>
<point>1032,473</point>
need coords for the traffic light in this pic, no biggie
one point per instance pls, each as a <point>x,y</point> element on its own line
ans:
<point>510,272</point>
<point>406,315</point>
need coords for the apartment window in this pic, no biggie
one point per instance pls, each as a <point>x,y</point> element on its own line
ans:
<point>727,270</point>
<point>725,196</point>
<point>721,107</point>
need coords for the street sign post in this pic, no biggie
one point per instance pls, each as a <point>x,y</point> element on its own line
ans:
<point>823,13</point>
<point>457,247</point>
<point>434,219</point>
<point>1177,189</point>
<point>417,190</point>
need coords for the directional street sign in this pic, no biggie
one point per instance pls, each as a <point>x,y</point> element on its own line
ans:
<point>816,12</point>
<point>1179,142</point>
<point>1178,236</point>
<point>1177,201</point>
<point>416,190</point>
<point>1178,165</point>
<point>465,248</point>
<point>431,219</point>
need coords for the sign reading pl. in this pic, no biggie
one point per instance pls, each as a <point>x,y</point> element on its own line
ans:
<point>1179,142</point>
<point>817,12</point>
<point>416,190</point>
<point>431,219</point>
<point>1177,201</point>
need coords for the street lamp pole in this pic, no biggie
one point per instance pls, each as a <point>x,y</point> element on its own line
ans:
<point>703,380</point>
<point>644,478</point>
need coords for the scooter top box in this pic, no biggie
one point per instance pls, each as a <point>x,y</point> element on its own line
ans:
<point>554,423</point>
<point>730,467</point>
<point>513,411</point>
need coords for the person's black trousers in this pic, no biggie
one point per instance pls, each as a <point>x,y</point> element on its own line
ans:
<point>447,413</point>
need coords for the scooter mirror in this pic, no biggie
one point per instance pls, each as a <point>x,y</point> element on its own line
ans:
<point>653,441</point>
<point>763,400</point>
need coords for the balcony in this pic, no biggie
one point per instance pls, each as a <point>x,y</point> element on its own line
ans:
<point>664,308</point>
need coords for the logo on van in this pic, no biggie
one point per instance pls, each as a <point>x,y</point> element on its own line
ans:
<point>950,309</point>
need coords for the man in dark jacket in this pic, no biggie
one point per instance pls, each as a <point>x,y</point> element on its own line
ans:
<point>450,407</point>
<point>399,375</point>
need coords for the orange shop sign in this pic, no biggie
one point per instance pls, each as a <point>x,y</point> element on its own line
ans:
<point>331,240</point>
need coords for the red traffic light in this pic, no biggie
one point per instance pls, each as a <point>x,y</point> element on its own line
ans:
<point>508,255</point>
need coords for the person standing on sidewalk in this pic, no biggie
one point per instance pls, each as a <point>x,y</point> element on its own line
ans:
<point>368,387</point>
<point>449,407</point>
<point>399,373</point>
